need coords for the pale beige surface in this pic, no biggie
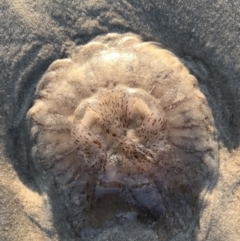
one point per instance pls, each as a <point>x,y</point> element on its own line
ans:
<point>25,215</point>
<point>35,34</point>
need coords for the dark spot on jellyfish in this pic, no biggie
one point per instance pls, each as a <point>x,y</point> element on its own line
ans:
<point>145,168</point>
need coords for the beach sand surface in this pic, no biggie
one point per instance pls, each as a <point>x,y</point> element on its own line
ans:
<point>33,34</point>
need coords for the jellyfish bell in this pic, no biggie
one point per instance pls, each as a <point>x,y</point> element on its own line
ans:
<point>121,125</point>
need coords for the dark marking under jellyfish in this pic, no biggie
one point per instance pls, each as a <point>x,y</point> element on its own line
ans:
<point>145,144</point>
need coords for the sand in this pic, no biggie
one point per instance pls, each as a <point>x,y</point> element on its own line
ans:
<point>34,34</point>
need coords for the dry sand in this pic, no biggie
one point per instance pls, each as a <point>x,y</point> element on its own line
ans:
<point>33,34</point>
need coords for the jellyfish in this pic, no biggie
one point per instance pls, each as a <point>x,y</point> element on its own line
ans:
<point>121,126</point>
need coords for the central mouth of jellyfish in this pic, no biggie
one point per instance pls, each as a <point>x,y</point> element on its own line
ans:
<point>120,135</point>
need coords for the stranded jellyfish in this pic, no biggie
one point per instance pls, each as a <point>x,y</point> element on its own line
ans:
<point>121,127</point>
